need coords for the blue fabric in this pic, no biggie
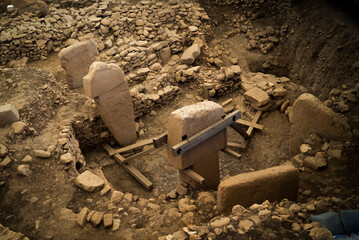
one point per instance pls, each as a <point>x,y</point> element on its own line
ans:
<point>331,221</point>
<point>350,236</point>
<point>350,220</point>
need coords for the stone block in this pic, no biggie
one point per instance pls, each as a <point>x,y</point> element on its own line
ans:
<point>89,181</point>
<point>8,114</point>
<point>116,109</point>
<point>257,96</point>
<point>190,54</point>
<point>102,78</point>
<point>203,158</point>
<point>76,61</point>
<point>271,184</point>
<point>309,115</point>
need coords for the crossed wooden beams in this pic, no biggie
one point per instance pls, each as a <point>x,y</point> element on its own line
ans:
<point>233,120</point>
<point>125,162</point>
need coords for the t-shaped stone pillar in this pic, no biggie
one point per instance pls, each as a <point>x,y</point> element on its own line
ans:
<point>203,158</point>
<point>106,83</point>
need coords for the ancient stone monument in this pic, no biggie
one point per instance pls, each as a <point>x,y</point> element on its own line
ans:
<point>76,60</point>
<point>203,158</point>
<point>106,83</point>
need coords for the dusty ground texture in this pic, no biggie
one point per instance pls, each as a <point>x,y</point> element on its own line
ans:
<point>318,52</point>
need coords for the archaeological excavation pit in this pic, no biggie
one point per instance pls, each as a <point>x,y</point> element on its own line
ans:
<point>175,119</point>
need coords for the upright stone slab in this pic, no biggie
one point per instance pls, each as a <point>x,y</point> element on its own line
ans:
<point>76,61</point>
<point>309,115</point>
<point>8,114</point>
<point>106,83</point>
<point>271,184</point>
<point>203,158</point>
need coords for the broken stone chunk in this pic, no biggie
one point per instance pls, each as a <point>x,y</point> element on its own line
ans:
<point>42,154</point>
<point>18,127</point>
<point>107,220</point>
<point>23,169</point>
<point>66,158</point>
<point>8,114</point>
<point>96,218</point>
<point>3,150</point>
<point>190,54</point>
<point>82,216</point>
<point>6,161</point>
<point>89,182</point>
<point>257,96</point>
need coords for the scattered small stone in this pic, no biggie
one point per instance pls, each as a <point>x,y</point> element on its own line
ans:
<point>18,127</point>
<point>89,181</point>
<point>3,150</point>
<point>66,158</point>
<point>42,154</point>
<point>245,225</point>
<point>116,224</point>
<point>23,169</point>
<point>82,217</point>
<point>107,220</point>
<point>26,159</point>
<point>220,222</point>
<point>96,218</point>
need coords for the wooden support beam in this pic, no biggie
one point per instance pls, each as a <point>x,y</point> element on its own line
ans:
<point>255,120</point>
<point>241,146</point>
<point>129,168</point>
<point>160,140</point>
<point>225,103</point>
<point>238,128</point>
<point>232,153</point>
<point>206,133</point>
<point>140,154</point>
<point>138,144</point>
<point>250,124</point>
<point>195,176</point>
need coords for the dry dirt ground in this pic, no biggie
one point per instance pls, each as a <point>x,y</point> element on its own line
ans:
<point>33,204</point>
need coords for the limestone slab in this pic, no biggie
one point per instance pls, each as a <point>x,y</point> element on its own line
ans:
<point>271,184</point>
<point>8,114</point>
<point>89,181</point>
<point>116,109</point>
<point>257,96</point>
<point>76,60</point>
<point>103,77</point>
<point>309,115</point>
<point>190,54</point>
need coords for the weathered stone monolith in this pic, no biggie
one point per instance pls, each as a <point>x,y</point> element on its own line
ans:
<point>106,83</point>
<point>203,158</point>
<point>76,61</point>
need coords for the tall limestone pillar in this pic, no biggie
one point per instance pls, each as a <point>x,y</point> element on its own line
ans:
<point>107,85</point>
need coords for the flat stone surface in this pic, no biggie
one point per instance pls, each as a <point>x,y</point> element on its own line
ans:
<point>89,181</point>
<point>18,127</point>
<point>271,184</point>
<point>116,110</point>
<point>82,216</point>
<point>8,114</point>
<point>203,158</point>
<point>257,96</point>
<point>107,220</point>
<point>103,77</point>
<point>42,154</point>
<point>190,54</point>
<point>309,115</point>
<point>220,222</point>
<point>96,218</point>
<point>76,60</point>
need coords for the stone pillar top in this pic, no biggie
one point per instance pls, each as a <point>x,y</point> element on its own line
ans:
<point>102,78</point>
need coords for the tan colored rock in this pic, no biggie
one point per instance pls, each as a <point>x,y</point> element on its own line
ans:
<point>76,60</point>
<point>190,54</point>
<point>18,127</point>
<point>309,115</point>
<point>82,216</point>
<point>271,184</point>
<point>102,77</point>
<point>89,181</point>
<point>42,154</point>
<point>107,220</point>
<point>203,158</point>
<point>257,96</point>
<point>8,114</point>
<point>107,84</point>
<point>96,218</point>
